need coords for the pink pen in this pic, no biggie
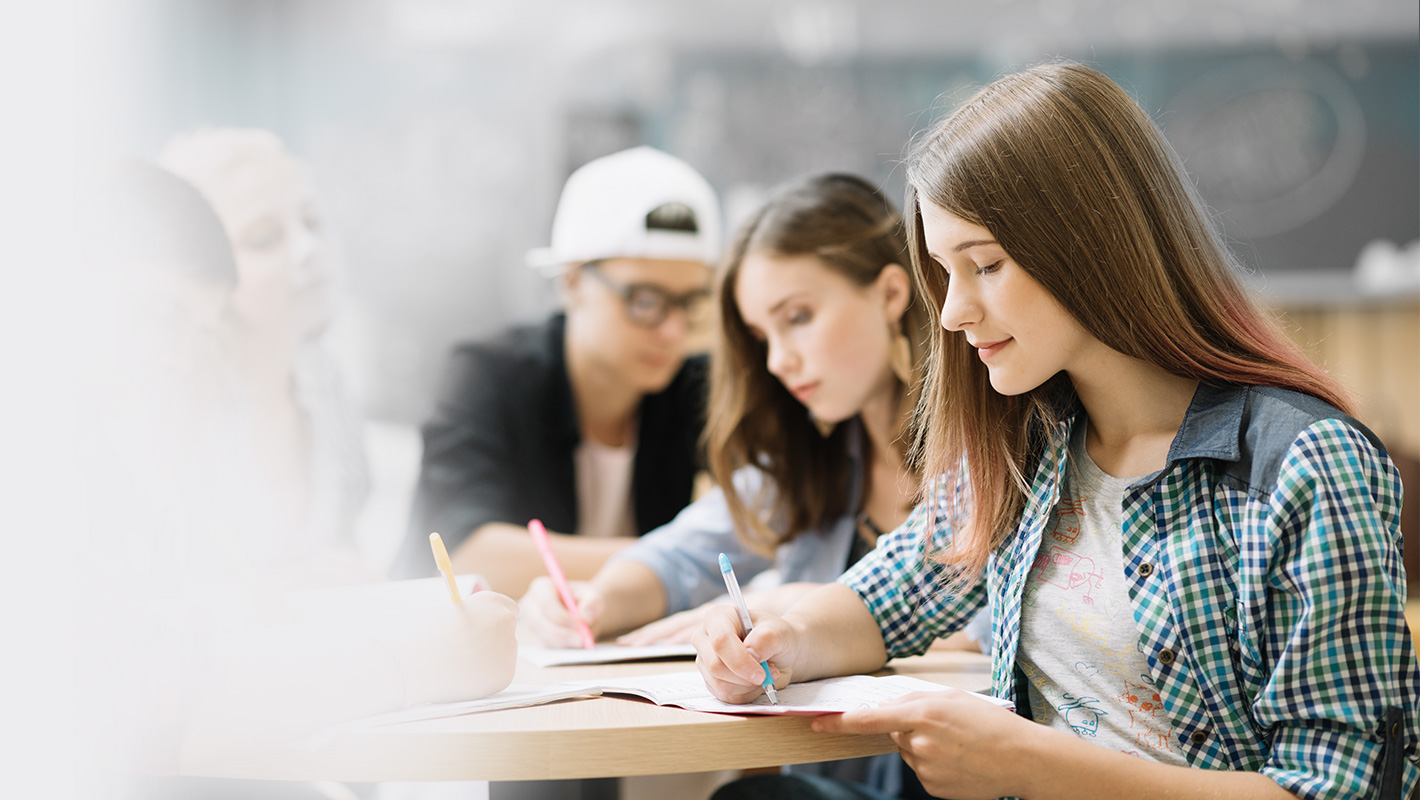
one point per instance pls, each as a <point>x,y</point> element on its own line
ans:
<point>559,580</point>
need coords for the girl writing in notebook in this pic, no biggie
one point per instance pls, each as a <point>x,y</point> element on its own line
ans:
<point>811,392</point>
<point>1191,550</point>
<point>810,398</point>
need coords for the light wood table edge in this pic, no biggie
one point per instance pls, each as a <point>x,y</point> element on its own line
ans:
<point>552,741</point>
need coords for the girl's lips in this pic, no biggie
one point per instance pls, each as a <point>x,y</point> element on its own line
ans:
<point>986,351</point>
<point>804,392</point>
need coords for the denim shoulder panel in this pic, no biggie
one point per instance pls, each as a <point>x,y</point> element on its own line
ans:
<point>1272,420</point>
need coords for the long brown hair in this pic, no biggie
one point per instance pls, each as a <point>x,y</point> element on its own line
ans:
<point>1077,184</point>
<point>753,420</point>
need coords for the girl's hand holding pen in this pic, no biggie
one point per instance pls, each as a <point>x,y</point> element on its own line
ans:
<point>731,665</point>
<point>546,619</point>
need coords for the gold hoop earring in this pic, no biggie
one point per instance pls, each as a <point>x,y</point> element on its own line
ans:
<point>901,358</point>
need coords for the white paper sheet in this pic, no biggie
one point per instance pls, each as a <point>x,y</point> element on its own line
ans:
<point>517,695</point>
<point>827,696</point>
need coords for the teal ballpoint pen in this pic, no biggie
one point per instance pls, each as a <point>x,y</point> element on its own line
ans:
<point>733,586</point>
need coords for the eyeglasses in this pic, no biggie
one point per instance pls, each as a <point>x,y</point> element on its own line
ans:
<point>648,305</point>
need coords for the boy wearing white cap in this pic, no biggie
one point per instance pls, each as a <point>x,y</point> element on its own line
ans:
<point>590,420</point>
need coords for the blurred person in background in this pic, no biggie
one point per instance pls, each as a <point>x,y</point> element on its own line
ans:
<point>306,433</point>
<point>157,277</point>
<point>588,420</point>
<point>190,647</point>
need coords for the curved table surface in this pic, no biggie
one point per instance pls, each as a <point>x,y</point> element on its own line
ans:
<point>584,738</point>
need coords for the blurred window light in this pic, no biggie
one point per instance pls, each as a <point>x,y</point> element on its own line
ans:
<point>546,26</point>
<point>818,31</point>
<point>444,23</point>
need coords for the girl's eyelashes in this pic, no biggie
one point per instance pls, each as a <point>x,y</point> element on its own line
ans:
<point>790,318</point>
<point>988,269</point>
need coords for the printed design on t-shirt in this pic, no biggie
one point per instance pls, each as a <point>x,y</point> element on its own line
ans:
<point>1088,615</point>
<point>1084,659</point>
<point>1081,713</point>
<point>1147,718</point>
<point>1042,700</point>
<point>1030,594</point>
<point>1088,625</point>
<point>1072,573</point>
<point>1107,664</point>
<point>1070,518</point>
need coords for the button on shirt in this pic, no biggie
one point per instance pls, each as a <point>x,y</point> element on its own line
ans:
<point>1273,612</point>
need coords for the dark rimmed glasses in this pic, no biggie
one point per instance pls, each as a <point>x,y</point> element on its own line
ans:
<point>648,305</point>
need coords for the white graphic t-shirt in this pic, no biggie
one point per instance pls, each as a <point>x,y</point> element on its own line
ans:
<point>1079,644</point>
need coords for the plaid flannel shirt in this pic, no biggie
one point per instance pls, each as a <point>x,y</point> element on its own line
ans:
<point>1264,570</point>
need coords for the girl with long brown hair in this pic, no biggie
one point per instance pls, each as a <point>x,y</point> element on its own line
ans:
<point>816,357</point>
<point>807,425</point>
<point>1191,549</point>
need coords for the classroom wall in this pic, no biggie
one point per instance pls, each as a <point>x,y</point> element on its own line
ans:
<point>1373,348</point>
<point>441,132</point>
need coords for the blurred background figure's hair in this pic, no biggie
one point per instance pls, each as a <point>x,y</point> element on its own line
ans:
<point>206,155</point>
<point>144,217</point>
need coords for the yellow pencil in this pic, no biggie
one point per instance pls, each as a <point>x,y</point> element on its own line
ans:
<point>441,557</point>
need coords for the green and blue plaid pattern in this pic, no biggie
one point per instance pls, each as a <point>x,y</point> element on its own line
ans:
<point>1271,611</point>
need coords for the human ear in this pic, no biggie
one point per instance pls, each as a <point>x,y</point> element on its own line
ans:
<point>571,280</point>
<point>896,288</point>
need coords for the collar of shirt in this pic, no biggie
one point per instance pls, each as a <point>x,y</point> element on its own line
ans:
<point>1261,565</point>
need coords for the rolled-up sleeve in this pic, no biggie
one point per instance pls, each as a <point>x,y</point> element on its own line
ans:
<point>906,592</point>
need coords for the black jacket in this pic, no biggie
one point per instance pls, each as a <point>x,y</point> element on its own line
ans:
<point>499,447</point>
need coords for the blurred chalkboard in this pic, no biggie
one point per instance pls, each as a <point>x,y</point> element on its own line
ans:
<point>1305,158</point>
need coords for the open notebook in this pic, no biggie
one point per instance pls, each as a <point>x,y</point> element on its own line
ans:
<point>680,689</point>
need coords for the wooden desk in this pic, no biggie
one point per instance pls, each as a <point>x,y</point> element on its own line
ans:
<point>591,738</point>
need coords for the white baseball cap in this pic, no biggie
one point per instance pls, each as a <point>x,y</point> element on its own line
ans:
<point>638,203</point>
